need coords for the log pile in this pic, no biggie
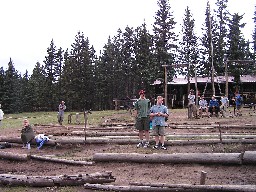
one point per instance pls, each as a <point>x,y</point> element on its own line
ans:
<point>61,180</point>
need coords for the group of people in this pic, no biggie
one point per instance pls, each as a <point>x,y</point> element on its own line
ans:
<point>157,114</point>
<point>145,115</point>
<point>214,107</point>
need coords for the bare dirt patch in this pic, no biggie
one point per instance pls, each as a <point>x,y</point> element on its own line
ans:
<point>144,172</point>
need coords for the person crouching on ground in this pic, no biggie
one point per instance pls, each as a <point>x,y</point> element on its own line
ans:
<point>158,113</point>
<point>27,134</point>
<point>142,107</point>
<point>214,106</point>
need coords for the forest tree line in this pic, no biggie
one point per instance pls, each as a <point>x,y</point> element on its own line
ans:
<point>131,60</point>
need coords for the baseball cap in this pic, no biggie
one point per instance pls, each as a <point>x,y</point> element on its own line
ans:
<point>141,92</point>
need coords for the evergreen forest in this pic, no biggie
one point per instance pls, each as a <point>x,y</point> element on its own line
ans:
<point>131,60</point>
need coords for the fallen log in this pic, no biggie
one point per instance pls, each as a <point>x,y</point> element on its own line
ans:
<point>49,181</point>
<point>172,188</point>
<point>202,158</point>
<point>124,141</point>
<point>249,157</point>
<point>212,126</point>
<point>13,156</point>
<point>201,188</point>
<point>57,160</point>
<point>116,124</point>
<point>18,140</point>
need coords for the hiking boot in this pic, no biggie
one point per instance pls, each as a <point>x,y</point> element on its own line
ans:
<point>163,147</point>
<point>146,145</point>
<point>140,144</point>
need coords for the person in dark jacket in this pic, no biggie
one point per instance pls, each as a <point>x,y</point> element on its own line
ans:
<point>27,134</point>
<point>214,106</point>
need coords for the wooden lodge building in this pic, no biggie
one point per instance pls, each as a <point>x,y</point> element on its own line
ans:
<point>177,89</point>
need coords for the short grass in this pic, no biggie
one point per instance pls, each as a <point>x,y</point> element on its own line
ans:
<point>94,119</point>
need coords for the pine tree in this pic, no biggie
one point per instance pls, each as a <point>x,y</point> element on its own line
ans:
<point>26,93</point>
<point>208,48</point>
<point>236,46</point>
<point>78,74</point>
<point>144,70</point>
<point>188,50</point>
<point>164,37</point>
<point>11,85</point>
<point>51,73</point>
<point>2,78</point>
<point>254,36</point>
<point>37,86</point>
<point>221,35</point>
<point>128,58</point>
<point>106,76</point>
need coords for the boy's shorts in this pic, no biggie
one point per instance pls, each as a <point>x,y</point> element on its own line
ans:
<point>142,124</point>
<point>238,107</point>
<point>158,131</point>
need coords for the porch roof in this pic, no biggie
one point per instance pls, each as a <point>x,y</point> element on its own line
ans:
<point>218,79</point>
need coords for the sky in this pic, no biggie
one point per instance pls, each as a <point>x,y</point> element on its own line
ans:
<point>28,26</point>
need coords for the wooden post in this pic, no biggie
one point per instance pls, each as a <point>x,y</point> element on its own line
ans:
<point>165,85</point>
<point>77,118</point>
<point>219,131</point>
<point>203,177</point>
<point>85,123</point>
<point>226,74</point>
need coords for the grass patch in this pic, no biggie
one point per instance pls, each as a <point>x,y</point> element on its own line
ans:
<point>94,119</point>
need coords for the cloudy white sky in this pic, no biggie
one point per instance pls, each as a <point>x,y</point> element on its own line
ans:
<point>28,26</point>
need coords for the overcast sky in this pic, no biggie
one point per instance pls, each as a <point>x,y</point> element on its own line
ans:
<point>28,26</point>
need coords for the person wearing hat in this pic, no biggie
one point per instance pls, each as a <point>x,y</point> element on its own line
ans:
<point>62,108</point>
<point>214,106</point>
<point>142,107</point>
<point>1,115</point>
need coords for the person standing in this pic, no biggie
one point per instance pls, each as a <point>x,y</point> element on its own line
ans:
<point>191,104</point>
<point>159,113</point>
<point>142,107</point>
<point>1,115</point>
<point>62,108</point>
<point>224,105</point>
<point>238,101</point>
<point>27,134</point>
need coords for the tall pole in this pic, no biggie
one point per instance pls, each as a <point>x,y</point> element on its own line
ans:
<point>212,68</point>
<point>165,85</point>
<point>226,74</point>
<point>196,86</point>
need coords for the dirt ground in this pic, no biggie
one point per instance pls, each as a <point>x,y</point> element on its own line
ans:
<point>143,172</point>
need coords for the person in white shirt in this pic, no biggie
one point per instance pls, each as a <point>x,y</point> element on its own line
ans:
<point>203,106</point>
<point>1,115</point>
